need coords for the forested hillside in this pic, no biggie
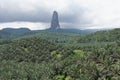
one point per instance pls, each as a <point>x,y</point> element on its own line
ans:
<point>101,36</point>
<point>19,32</point>
<point>13,33</point>
<point>61,56</point>
<point>31,49</point>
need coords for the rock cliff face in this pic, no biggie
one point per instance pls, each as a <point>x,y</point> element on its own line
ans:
<point>55,21</point>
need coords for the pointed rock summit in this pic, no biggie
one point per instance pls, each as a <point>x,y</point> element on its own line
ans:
<point>55,21</point>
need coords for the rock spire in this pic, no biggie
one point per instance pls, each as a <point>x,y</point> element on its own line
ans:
<point>55,21</point>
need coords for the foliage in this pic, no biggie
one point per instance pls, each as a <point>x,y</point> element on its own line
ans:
<point>43,58</point>
<point>101,36</point>
<point>79,53</point>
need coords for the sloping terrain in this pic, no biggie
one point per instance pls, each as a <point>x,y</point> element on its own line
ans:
<point>33,58</point>
<point>15,33</point>
<point>101,36</point>
<point>30,49</point>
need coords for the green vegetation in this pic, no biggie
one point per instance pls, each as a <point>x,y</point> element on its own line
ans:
<point>101,36</point>
<point>61,56</point>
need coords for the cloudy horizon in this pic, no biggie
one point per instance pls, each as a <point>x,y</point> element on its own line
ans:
<point>78,14</point>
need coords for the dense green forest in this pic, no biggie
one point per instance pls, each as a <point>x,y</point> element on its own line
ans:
<point>19,32</point>
<point>61,56</point>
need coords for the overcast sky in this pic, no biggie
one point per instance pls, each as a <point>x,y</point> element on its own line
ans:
<point>80,14</point>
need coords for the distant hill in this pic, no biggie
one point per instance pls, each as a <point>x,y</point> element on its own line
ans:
<point>78,31</point>
<point>101,36</point>
<point>18,31</point>
<point>15,33</point>
<point>61,35</point>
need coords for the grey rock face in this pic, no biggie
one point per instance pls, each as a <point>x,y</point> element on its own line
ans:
<point>55,21</point>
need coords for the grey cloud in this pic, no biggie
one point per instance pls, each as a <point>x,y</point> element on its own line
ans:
<point>74,13</point>
<point>37,16</point>
<point>7,15</point>
<point>14,14</point>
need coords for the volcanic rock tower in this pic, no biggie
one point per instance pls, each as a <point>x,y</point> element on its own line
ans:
<point>55,21</point>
